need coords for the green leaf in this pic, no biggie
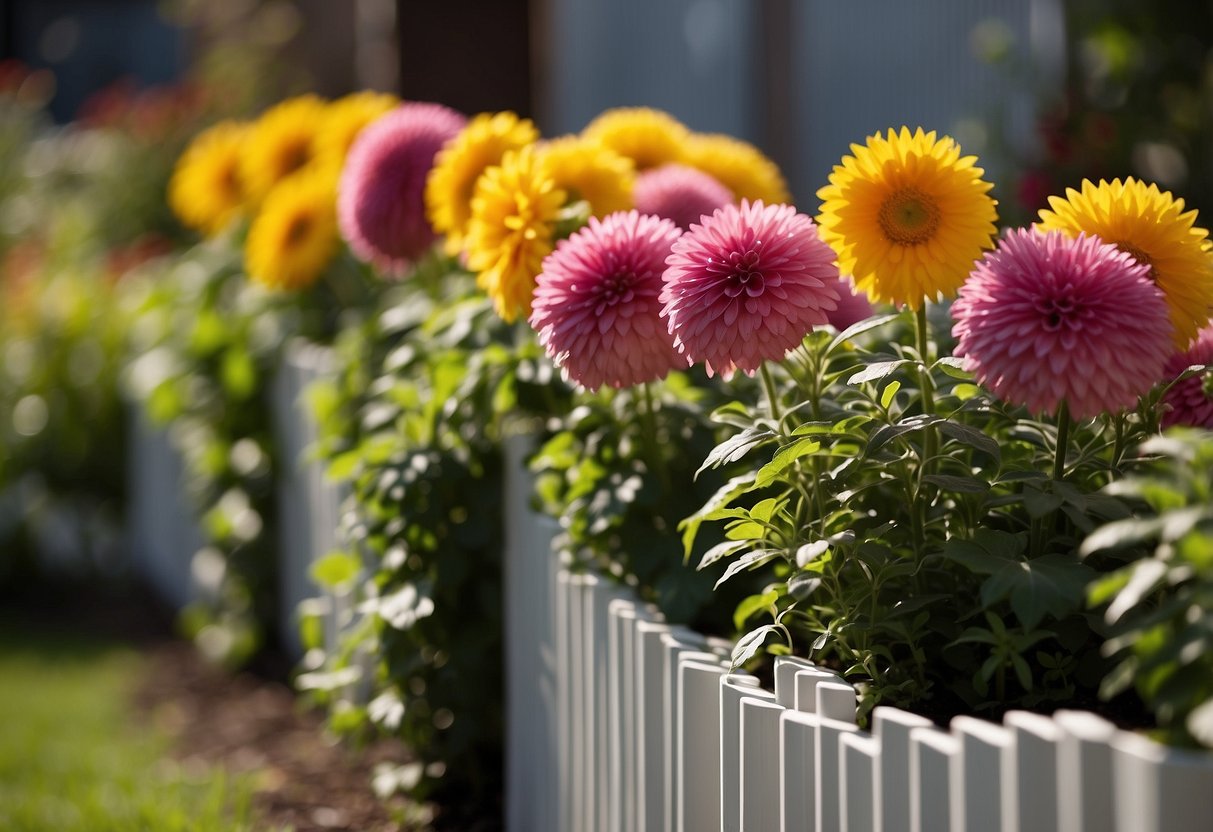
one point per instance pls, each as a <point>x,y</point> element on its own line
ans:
<point>750,560</point>
<point>857,329</point>
<point>1053,584</point>
<point>735,447</point>
<point>1145,576</point>
<point>963,485</point>
<point>803,584</point>
<point>238,373</point>
<point>973,437</point>
<point>886,433</point>
<point>890,390</point>
<point>877,371</point>
<point>722,550</point>
<point>954,367</point>
<point>1040,503</point>
<point>783,458</point>
<point>335,570</point>
<point>764,509</point>
<point>751,605</point>
<point>724,495</point>
<point>748,645</point>
<point>1120,533</point>
<point>810,552</point>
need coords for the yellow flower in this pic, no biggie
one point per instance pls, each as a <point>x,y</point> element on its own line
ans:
<point>590,171</point>
<point>1152,226</point>
<point>452,180</point>
<point>513,219</point>
<point>648,137</point>
<point>294,236</point>
<point>908,216</point>
<point>740,167</point>
<point>206,192</point>
<point>282,141</point>
<point>345,119</point>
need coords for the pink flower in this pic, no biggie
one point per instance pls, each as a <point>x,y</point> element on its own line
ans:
<point>595,305</point>
<point>747,286</point>
<point>380,200</point>
<point>853,306</point>
<point>1190,402</point>
<point>679,193</point>
<point>1045,319</point>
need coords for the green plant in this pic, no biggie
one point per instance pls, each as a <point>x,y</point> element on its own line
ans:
<point>1157,605</point>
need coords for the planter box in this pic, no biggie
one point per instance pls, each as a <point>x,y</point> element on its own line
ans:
<point>619,721</point>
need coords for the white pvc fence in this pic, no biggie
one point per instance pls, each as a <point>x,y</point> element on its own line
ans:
<point>619,722</point>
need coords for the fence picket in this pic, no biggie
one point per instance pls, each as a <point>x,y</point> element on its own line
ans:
<point>735,688</point>
<point>932,757</point>
<point>892,727</point>
<point>650,725</point>
<point>1084,772</point>
<point>1030,795</point>
<point>797,771</point>
<point>827,761</point>
<point>698,745</point>
<point>760,764</point>
<point>1160,789</point>
<point>859,782</point>
<point>983,748</point>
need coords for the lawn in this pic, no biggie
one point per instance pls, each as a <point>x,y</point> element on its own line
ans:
<point>74,756</point>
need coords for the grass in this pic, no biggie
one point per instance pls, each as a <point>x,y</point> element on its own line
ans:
<point>73,758</point>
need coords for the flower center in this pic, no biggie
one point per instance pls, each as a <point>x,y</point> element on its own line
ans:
<point>909,217</point>
<point>298,230</point>
<point>294,156</point>
<point>1141,257</point>
<point>615,289</point>
<point>1060,312</point>
<point>744,274</point>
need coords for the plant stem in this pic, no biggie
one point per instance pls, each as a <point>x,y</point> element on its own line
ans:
<point>768,384</point>
<point>929,436</point>
<point>1063,439</point>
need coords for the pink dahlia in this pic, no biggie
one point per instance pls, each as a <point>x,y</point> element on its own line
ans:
<point>679,193</point>
<point>853,306</point>
<point>380,200</point>
<point>1190,402</point>
<point>1045,319</point>
<point>747,285</point>
<point>595,305</point>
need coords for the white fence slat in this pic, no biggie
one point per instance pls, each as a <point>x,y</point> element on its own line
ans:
<point>698,745</point>
<point>836,700</point>
<point>678,643</point>
<point>983,748</point>
<point>1159,789</point>
<point>599,673</point>
<point>805,683</point>
<point>932,757</point>
<point>860,782</point>
<point>797,771</point>
<point>650,724</point>
<point>618,680</point>
<point>760,764</point>
<point>827,760</point>
<point>786,668</point>
<point>734,688</point>
<point>582,701</point>
<point>1084,771</point>
<point>531,686</point>
<point>892,727</point>
<point>565,722</point>
<point>1029,800</point>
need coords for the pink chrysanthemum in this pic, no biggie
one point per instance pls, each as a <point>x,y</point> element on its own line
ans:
<point>1045,318</point>
<point>380,202</point>
<point>853,306</point>
<point>747,285</point>
<point>1190,402</point>
<point>595,305</point>
<point>679,193</point>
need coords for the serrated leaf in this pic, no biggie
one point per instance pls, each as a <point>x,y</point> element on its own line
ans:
<point>749,644</point>
<point>784,458</point>
<point>877,371</point>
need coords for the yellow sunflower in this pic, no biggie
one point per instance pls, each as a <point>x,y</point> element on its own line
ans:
<point>590,171</point>
<point>345,119</point>
<point>514,213</point>
<point>294,235</point>
<point>205,191</point>
<point>452,180</point>
<point>740,167</point>
<point>1152,226</point>
<point>908,216</point>
<point>648,137</point>
<point>281,141</point>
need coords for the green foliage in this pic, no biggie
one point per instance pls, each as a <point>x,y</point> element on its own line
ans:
<point>923,536</point>
<point>413,423</point>
<point>1157,605</point>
